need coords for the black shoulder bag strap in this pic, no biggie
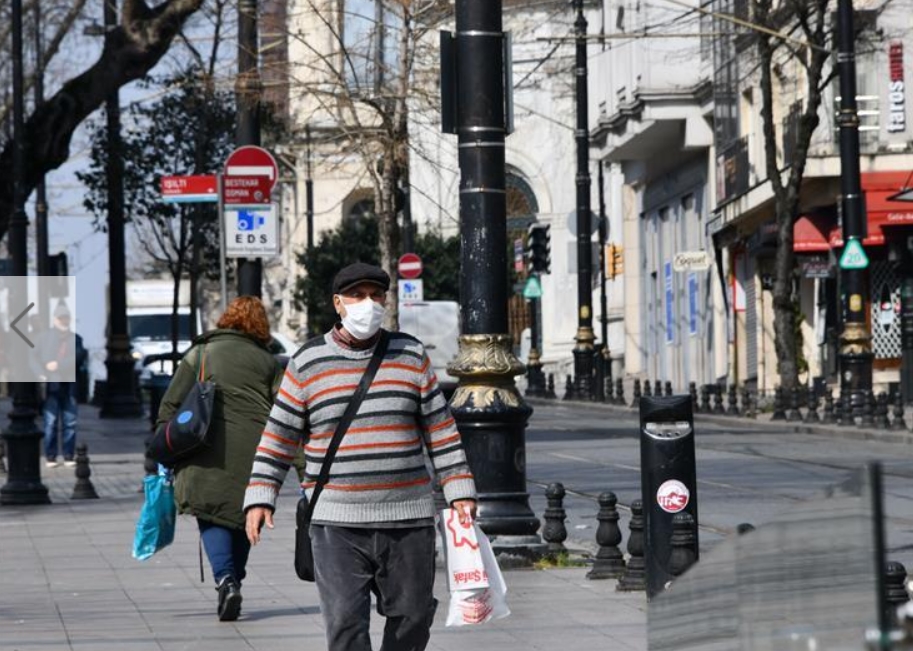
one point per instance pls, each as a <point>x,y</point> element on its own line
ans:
<point>379,351</point>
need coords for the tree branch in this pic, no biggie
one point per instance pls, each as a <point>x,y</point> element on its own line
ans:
<point>131,50</point>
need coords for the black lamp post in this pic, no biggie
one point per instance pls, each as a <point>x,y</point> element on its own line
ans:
<point>248,91</point>
<point>121,399</point>
<point>22,437</point>
<point>856,338</point>
<point>489,410</point>
<point>582,387</point>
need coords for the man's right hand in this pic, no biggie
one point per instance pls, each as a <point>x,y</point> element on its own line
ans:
<point>257,516</point>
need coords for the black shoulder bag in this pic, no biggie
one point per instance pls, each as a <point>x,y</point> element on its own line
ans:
<point>186,431</point>
<point>304,557</point>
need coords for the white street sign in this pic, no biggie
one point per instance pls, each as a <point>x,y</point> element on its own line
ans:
<point>411,290</point>
<point>691,261</point>
<point>251,231</point>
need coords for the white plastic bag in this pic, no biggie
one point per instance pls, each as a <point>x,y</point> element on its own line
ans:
<point>477,588</point>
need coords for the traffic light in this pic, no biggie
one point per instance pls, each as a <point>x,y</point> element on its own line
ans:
<point>615,261</point>
<point>538,248</point>
<point>58,266</point>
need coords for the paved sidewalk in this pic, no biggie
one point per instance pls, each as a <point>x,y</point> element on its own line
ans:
<point>68,581</point>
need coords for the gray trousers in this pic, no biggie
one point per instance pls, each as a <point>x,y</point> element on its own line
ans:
<point>397,565</point>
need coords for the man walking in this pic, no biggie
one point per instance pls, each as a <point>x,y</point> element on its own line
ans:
<point>60,353</point>
<point>373,526</point>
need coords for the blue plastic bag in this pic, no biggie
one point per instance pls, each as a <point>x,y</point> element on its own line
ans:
<point>155,527</point>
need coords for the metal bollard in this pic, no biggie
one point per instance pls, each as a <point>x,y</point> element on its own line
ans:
<point>553,531</point>
<point>634,577</point>
<point>83,490</point>
<point>609,562</point>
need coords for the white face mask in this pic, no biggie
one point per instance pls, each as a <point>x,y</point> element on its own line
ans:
<point>364,318</point>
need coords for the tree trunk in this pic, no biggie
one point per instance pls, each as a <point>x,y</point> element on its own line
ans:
<point>132,50</point>
<point>783,298</point>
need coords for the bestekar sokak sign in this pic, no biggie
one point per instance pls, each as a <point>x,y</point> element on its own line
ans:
<point>251,221</point>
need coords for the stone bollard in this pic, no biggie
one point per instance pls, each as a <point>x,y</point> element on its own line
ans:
<point>882,421</point>
<point>682,542</point>
<point>550,390</point>
<point>668,388</point>
<point>828,416</point>
<point>868,410</point>
<point>718,401</point>
<point>636,401</point>
<point>554,532</point>
<point>657,388</point>
<point>794,415</point>
<point>695,403</point>
<point>898,422</point>
<point>619,392</point>
<point>648,389</point>
<point>83,490</point>
<point>840,417</point>
<point>705,399</point>
<point>635,575</point>
<point>811,415</point>
<point>609,562</point>
<point>895,578</point>
<point>779,412</point>
<point>733,401</point>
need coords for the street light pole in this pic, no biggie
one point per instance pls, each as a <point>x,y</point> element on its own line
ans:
<point>248,91</point>
<point>22,437</point>
<point>583,352</point>
<point>606,360</point>
<point>121,400</point>
<point>41,201</point>
<point>489,410</point>
<point>855,339</point>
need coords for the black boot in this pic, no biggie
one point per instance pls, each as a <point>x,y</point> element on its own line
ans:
<point>229,599</point>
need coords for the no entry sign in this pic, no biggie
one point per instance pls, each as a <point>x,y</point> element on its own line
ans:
<point>410,266</point>
<point>251,160</point>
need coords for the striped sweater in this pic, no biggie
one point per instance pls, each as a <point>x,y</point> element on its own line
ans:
<point>379,473</point>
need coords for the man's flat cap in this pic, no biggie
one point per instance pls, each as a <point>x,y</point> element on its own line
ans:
<point>360,272</point>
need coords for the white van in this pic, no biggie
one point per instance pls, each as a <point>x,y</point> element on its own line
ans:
<point>437,325</point>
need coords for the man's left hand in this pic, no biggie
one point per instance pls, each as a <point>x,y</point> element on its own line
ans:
<point>466,510</point>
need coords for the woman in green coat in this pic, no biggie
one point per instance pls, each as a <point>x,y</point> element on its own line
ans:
<point>210,485</point>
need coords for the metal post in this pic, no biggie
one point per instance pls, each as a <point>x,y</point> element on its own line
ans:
<point>248,90</point>
<point>41,201</point>
<point>906,336</point>
<point>121,399</point>
<point>489,410</point>
<point>22,437</point>
<point>603,299</point>
<point>535,378</point>
<point>856,339</point>
<point>583,352</point>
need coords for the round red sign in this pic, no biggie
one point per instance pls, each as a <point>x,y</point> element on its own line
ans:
<point>410,266</point>
<point>672,496</point>
<point>251,160</point>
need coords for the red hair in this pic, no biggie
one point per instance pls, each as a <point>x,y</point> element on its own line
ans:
<point>247,314</point>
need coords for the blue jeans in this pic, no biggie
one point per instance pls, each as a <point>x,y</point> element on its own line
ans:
<point>396,564</point>
<point>60,409</point>
<point>227,550</point>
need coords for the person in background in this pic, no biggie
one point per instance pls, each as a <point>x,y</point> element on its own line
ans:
<point>210,485</point>
<point>59,352</point>
<point>373,526</point>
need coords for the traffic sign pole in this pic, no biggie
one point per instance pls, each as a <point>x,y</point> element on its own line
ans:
<point>223,273</point>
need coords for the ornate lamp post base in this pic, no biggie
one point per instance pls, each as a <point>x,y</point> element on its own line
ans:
<point>535,387</point>
<point>855,366</point>
<point>582,388</point>
<point>120,397</point>
<point>491,415</point>
<point>23,454</point>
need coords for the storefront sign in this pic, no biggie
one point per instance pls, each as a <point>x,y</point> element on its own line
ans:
<point>897,116</point>
<point>817,269</point>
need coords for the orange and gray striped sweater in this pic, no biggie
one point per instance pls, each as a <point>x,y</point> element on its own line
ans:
<point>379,473</point>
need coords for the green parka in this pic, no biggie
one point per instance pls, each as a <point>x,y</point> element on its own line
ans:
<point>210,485</point>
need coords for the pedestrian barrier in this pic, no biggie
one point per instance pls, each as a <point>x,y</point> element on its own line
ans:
<point>554,533</point>
<point>609,562</point>
<point>83,489</point>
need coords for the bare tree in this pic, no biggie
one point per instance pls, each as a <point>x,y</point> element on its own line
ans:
<point>809,20</point>
<point>143,37</point>
<point>362,84</point>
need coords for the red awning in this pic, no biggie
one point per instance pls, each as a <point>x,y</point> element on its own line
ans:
<point>810,233</point>
<point>881,212</point>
